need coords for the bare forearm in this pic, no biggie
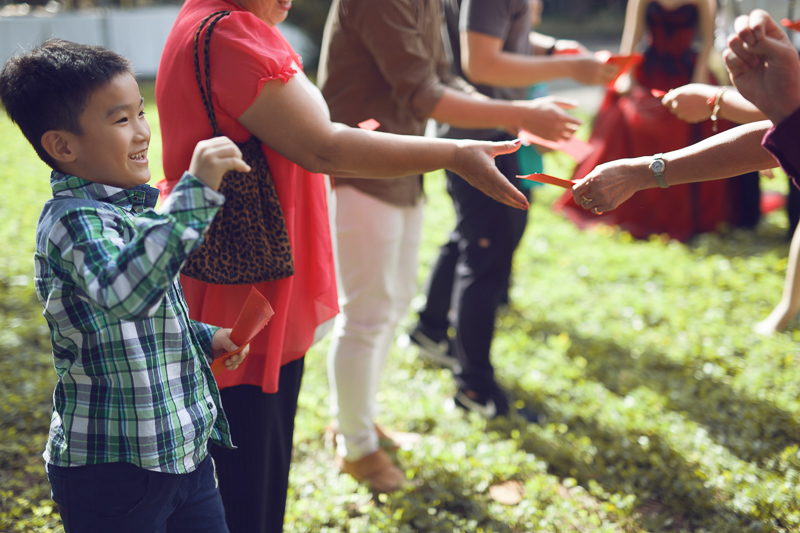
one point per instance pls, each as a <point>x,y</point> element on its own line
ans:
<point>351,152</point>
<point>727,154</point>
<point>466,111</point>
<point>516,70</point>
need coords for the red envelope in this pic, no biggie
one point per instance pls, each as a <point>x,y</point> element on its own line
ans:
<point>786,23</point>
<point>576,148</point>
<point>369,124</point>
<point>625,63</point>
<point>254,315</point>
<point>546,178</point>
<point>658,93</point>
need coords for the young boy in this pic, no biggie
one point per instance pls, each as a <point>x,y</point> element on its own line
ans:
<point>135,402</point>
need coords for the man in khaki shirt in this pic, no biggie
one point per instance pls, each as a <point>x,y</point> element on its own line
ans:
<point>386,60</point>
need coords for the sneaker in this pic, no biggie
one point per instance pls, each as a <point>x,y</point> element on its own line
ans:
<point>492,405</point>
<point>440,352</point>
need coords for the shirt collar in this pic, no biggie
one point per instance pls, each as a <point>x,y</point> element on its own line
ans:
<point>68,185</point>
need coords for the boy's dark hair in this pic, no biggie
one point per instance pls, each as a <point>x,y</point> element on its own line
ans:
<point>48,87</point>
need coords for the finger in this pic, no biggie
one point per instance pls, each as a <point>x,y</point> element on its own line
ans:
<point>737,46</point>
<point>236,163</point>
<point>564,103</point>
<point>506,147</point>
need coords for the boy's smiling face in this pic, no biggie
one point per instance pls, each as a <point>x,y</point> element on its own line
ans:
<point>113,146</point>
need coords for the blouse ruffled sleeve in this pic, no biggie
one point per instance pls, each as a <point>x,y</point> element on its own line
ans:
<point>245,54</point>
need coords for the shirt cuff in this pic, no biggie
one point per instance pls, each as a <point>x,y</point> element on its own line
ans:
<point>781,141</point>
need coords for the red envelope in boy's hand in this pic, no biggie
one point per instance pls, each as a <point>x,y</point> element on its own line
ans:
<point>546,178</point>
<point>658,93</point>
<point>369,124</point>
<point>254,315</point>
<point>786,23</point>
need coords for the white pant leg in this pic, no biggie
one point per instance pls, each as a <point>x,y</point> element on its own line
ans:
<point>378,245</point>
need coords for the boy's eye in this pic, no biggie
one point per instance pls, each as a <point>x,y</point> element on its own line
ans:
<point>123,120</point>
<point>141,113</point>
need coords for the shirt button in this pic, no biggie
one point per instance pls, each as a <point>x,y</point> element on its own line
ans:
<point>210,406</point>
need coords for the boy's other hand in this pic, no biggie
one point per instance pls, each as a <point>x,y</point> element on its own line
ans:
<point>214,157</point>
<point>221,343</point>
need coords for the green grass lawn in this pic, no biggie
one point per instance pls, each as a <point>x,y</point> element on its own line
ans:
<point>663,412</point>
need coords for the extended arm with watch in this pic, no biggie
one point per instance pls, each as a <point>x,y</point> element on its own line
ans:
<point>657,166</point>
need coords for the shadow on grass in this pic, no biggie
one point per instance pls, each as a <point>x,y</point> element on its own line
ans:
<point>752,429</point>
<point>445,493</point>
<point>668,491</point>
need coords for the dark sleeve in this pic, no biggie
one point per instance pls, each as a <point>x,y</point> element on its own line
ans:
<point>490,17</point>
<point>781,141</point>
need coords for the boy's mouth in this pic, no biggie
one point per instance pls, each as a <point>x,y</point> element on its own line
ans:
<point>140,156</point>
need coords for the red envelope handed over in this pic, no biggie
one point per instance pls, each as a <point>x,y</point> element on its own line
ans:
<point>255,314</point>
<point>546,178</point>
<point>786,23</point>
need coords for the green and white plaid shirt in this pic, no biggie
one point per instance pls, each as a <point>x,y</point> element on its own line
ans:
<point>134,381</point>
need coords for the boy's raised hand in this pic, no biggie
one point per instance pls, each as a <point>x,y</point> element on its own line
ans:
<point>221,343</point>
<point>214,157</point>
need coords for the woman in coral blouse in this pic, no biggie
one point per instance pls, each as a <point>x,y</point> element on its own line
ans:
<point>258,88</point>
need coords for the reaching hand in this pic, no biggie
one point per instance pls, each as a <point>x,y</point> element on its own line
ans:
<point>474,161</point>
<point>221,343</point>
<point>690,102</point>
<point>214,157</point>
<point>609,185</point>
<point>546,117</point>
<point>589,70</point>
<point>764,65</point>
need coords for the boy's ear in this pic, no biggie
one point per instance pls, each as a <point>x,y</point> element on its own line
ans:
<point>57,143</point>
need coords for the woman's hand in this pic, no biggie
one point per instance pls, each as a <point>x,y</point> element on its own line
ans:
<point>764,66</point>
<point>690,102</point>
<point>213,158</point>
<point>474,161</point>
<point>609,185</point>
<point>221,343</point>
<point>546,117</point>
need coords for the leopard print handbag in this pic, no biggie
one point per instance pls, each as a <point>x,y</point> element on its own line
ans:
<point>247,241</point>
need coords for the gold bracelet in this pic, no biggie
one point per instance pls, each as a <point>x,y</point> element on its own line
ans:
<point>716,108</point>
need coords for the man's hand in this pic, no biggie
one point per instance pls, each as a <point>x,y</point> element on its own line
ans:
<point>214,157</point>
<point>546,117</point>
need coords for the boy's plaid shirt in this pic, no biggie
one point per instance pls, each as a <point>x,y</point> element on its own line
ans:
<point>134,383</point>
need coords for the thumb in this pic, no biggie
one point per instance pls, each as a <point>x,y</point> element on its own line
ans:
<point>506,147</point>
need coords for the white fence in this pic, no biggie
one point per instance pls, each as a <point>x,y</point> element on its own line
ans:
<point>138,34</point>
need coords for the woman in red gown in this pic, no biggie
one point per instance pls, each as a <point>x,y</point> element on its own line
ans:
<point>632,123</point>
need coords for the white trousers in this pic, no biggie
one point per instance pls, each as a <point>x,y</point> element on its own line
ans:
<point>378,245</point>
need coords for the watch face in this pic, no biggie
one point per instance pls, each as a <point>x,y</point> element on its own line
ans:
<point>657,166</point>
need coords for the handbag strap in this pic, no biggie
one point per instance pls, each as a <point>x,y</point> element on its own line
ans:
<point>205,89</point>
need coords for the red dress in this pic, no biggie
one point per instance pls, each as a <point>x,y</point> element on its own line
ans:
<point>637,125</point>
<point>244,54</point>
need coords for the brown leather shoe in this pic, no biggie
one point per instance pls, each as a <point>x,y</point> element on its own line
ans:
<point>389,440</point>
<point>375,469</point>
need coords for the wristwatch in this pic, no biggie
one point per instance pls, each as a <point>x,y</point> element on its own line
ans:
<point>657,165</point>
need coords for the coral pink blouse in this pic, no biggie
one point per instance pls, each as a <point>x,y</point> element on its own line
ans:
<point>244,54</point>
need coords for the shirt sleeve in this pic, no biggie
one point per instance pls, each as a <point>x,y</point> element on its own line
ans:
<point>781,142</point>
<point>389,30</point>
<point>245,53</point>
<point>128,277</point>
<point>203,333</point>
<point>490,17</point>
